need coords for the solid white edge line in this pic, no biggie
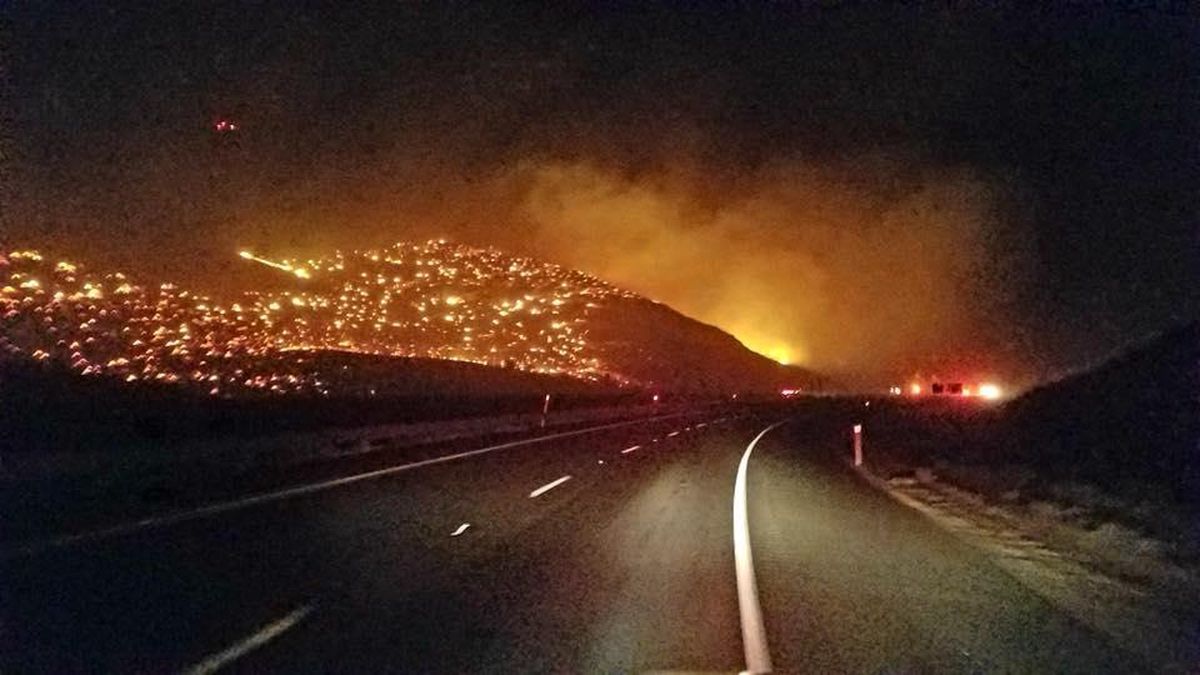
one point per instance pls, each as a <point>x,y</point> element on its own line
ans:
<point>754,633</point>
<point>548,487</point>
<point>237,650</point>
<point>630,449</point>
<point>217,508</point>
<point>461,528</point>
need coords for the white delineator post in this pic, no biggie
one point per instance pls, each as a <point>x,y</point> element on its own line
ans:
<point>545,409</point>
<point>858,457</point>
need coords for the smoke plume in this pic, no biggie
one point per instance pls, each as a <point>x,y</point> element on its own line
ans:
<point>863,267</point>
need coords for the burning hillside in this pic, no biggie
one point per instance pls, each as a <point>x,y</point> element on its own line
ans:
<point>431,300</point>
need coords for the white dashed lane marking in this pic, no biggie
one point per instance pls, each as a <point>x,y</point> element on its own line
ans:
<point>548,487</point>
<point>243,647</point>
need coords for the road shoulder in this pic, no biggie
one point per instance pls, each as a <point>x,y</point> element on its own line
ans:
<point>1154,617</point>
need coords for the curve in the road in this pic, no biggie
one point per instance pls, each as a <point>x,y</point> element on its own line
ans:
<point>754,633</point>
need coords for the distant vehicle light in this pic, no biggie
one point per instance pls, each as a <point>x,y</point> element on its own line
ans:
<point>788,393</point>
<point>914,389</point>
<point>989,391</point>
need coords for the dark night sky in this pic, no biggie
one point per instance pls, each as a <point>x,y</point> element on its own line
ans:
<point>1069,136</point>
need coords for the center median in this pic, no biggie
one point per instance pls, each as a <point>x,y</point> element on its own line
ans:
<point>60,515</point>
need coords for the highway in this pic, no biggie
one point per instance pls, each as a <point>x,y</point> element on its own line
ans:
<point>610,551</point>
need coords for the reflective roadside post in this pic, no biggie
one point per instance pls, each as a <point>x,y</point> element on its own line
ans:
<point>858,457</point>
<point>545,409</point>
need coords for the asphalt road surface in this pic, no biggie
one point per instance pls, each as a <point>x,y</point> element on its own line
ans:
<point>568,555</point>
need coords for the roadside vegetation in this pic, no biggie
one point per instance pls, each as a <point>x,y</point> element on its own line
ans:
<point>1114,450</point>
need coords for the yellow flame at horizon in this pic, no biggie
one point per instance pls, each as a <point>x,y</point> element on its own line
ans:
<point>779,353</point>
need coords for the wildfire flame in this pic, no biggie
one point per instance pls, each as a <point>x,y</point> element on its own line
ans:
<point>503,311</point>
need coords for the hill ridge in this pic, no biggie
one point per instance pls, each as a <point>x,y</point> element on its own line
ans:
<point>434,299</point>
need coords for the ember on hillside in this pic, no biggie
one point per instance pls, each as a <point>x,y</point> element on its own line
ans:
<point>433,300</point>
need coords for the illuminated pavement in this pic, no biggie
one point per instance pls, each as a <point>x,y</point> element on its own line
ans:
<point>567,556</point>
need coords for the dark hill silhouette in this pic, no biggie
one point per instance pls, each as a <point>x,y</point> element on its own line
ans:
<point>1132,423</point>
